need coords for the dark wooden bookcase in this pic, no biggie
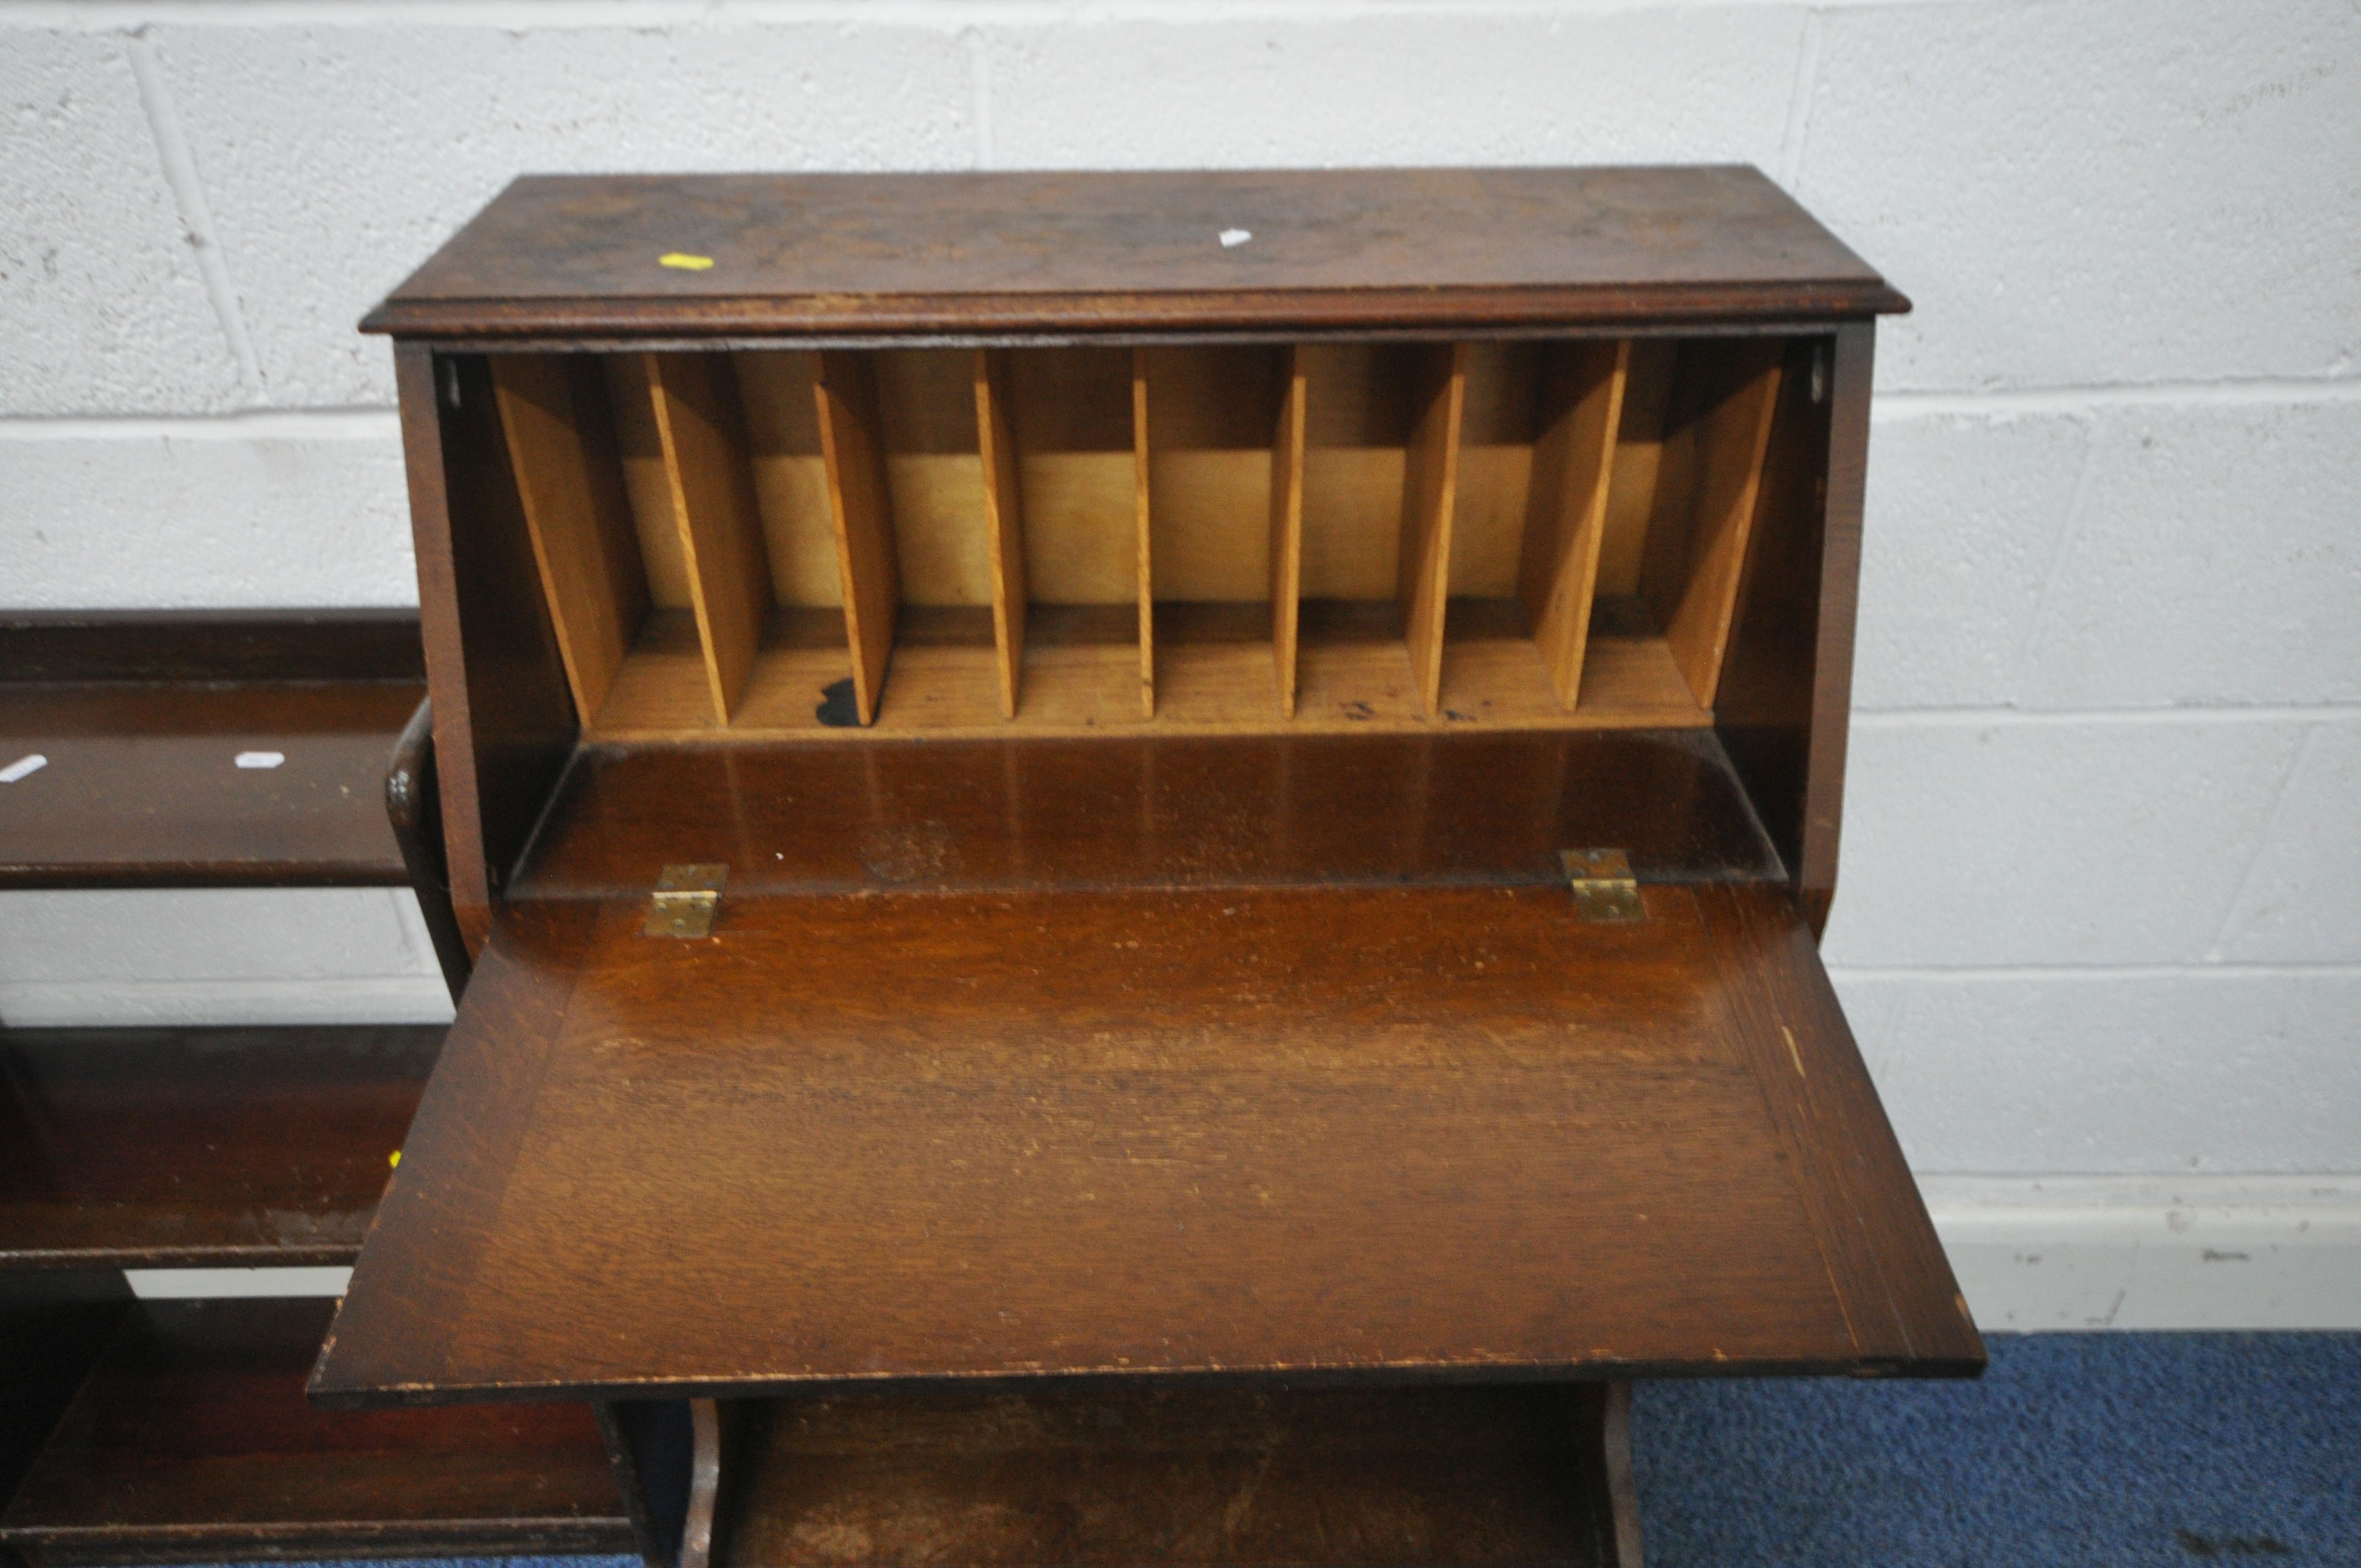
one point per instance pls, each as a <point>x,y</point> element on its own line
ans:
<point>150,1430</point>
<point>1146,853</point>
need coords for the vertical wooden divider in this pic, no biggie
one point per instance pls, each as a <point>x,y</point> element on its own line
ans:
<point>1429,478</point>
<point>1639,474</point>
<point>571,484</point>
<point>1566,507</point>
<point>1003,519</point>
<point>1287,528</point>
<point>853,444</point>
<point>704,435</point>
<point>1139,506</point>
<point>1729,439</point>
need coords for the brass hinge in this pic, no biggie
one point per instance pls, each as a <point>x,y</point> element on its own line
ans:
<point>1604,888</point>
<point>684,900</point>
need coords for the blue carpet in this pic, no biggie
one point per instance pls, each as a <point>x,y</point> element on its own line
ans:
<point>2074,1451</point>
<point>2079,1450</point>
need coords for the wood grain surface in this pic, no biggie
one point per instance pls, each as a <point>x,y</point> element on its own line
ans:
<point>1432,1131</point>
<point>1114,1477</point>
<point>1230,812</point>
<point>217,1147</point>
<point>142,786</point>
<point>504,719</point>
<point>191,1440</point>
<point>1084,253</point>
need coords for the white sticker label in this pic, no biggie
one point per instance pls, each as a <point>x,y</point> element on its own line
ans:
<point>23,767</point>
<point>1233,239</point>
<point>260,759</point>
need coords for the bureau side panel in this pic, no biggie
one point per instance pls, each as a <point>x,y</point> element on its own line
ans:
<point>504,723</point>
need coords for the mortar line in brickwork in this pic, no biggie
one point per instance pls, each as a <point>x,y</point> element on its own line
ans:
<point>1800,91</point>
<point>2190,970</point>
<point>979,83</point>
<point>196,219</point>
<point>2263,842</point>
<point>2017,718</point>
<point>2061,548</point>
<point>255,424</point>
<point>1889,407</point>
<point>947,16</point>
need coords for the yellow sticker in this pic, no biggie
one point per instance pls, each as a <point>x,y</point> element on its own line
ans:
<point>395,1159</point>
<point>686,263</point>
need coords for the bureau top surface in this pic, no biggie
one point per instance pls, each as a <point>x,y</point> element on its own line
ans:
<point>1100,254</point>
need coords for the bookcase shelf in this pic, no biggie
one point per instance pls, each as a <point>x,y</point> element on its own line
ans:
<point>189,1147</point>
<point>190,1441</point>
<point>791,544</point>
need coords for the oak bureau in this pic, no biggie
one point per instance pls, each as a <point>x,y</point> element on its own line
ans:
<point>1146,853</point>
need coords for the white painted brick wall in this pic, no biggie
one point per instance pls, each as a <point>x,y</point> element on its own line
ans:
<point>147,513</point>
<point>105,307</point>
<point>2100,907</point>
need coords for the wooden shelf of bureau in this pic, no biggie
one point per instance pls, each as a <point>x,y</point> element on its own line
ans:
<point>1102,1478</point>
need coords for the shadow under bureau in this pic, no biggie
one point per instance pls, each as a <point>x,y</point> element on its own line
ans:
<point>1147,852</point>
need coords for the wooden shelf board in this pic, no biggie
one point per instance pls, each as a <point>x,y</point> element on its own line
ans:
<point>660,689</point>
<point>191,1438</point>
<point>1248,810</point>
<point>944,674</point>
<point>1079,686</point>
<point>1493,673</point>
<point>143,1148</point>
<point>1215,674</point>
<point>142,786</point>
<point>1405,1130</point>
<point>1635,680</point>
<point>1130,1477</point>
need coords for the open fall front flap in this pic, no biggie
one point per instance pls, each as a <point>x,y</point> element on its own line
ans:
<point>1422,1130</point>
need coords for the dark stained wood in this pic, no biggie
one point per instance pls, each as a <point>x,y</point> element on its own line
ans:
<point>651,1444</point>
<point>419,399</point>
<point>1084,252</point>
<point>1883,1256</point>
<point>1124,1476</point>
<point>142,1148</point>
<point>1115,812</point>
<point>211,645</point>
<point>142,786</point>
<point>53,1323</point>
<point>1441,1130</point>
<point>1199,1145</point>
<point>1848,475</point>
<point>1786,685</point>
<point>192,1439</point>
<point>414,804</point>
<point>504,721</point>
